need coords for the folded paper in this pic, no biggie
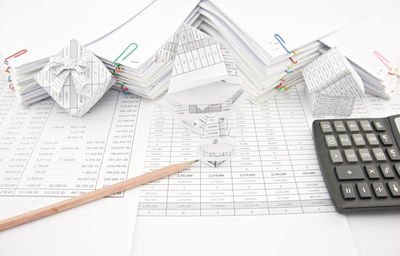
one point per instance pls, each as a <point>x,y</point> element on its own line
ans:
<point>75,78</point>
<point>333,85</point>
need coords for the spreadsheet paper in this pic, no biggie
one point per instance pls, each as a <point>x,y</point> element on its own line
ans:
<point>47,156</point>
<point>270,193</point>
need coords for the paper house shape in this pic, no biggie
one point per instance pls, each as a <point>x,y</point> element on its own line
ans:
<point>332,85</point>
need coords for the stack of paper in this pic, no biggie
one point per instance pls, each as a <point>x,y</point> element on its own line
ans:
<point>272,57</point>
<point>374,52</point>
<point>28,44</point>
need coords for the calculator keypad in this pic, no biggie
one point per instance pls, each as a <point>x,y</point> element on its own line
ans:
<point>360,161</point>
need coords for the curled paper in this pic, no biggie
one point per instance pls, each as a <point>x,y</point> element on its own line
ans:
<point>75,79</point>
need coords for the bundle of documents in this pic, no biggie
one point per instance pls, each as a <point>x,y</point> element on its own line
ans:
<point>374,53</point>
<point>137,49</point>
<point>139,46</point>
<point>29,44</point>
<point>271,58</point>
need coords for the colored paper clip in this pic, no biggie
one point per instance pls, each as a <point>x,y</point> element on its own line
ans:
<point>386,62</point>
<point>126,56</point>
<point>294,62</point>
<point>9,79</point>
<point>123,88</point>
<point>395,73</point>
<point>382,59</point>
<point>282,43</point>
<point>15,55</point>
<point>11,86</point>
<point>7,70</point>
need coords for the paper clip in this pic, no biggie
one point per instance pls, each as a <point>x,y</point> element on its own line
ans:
<point>11,86</point>
<point>383,60</point>
<point>281,42</point>
<point>9,79</point>
<point>124,58</point>
<point>15,55</point>
<point>7,70</point>
<point>294,62</point>
<point>386,63</point>
<point>123,88</point>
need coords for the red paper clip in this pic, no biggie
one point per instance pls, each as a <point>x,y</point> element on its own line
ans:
<point>123,88</point>
<point>7,70</point>
<point>15,55</point>
<point>294,62</point>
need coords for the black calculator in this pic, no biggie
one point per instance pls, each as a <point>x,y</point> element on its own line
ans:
<point>360,162</point>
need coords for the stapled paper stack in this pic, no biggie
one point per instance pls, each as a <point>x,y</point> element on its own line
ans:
<point>332,84</point>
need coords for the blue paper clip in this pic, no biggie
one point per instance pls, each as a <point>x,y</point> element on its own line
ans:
<point>281,42</point>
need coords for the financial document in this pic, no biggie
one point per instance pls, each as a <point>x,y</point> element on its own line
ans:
<point>270,193</point>
<point>47,156</point>
<point>275,170</point>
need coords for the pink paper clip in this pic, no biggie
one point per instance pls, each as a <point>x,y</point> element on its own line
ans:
<point>15,55</point>
<point>383,60</point>
<point>386,62</point>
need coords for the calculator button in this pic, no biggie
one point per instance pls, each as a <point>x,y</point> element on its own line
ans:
<point>379,126</point>
<point>352,125</point>
<point>397,168</point>
<point>379,190</point>
<point>363,190</point>
<point>326,127</point>
<point>358,139</point>
<point>379,154</point>
<point>365,126</point>
<point>344,140</point>
<point>348,191</point>
<point>372,172</point>
<point>394,188</point>
<point>339,126</point>
<point>364,155</point>
<point>372,139</point>
<point>349,172</point>
<point>330,141</point>
<point>350,155</point>
<point>385,139</point>
<point>393,154</point>
<point>336,157</point>
<point>386,171</point>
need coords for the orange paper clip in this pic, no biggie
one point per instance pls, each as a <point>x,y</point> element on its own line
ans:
<point>15,55</point>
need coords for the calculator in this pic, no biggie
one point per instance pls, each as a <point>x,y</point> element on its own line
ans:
<point>360,162</point>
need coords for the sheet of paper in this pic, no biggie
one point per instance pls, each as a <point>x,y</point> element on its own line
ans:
<point>272,191</point>
<point>48,156</point>
<point>292,21</point>
<point>149,30</point>
<point>42,27</point>
<point>374,49</point>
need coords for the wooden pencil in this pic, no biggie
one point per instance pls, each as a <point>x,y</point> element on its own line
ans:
<point>92,196</point>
